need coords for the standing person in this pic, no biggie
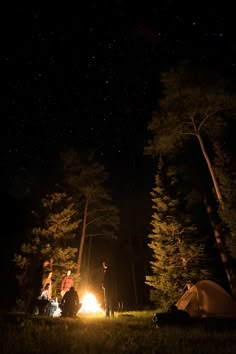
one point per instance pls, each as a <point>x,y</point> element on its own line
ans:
<point>67,283</point>
<point>108,287</point>
<point>70,304</point>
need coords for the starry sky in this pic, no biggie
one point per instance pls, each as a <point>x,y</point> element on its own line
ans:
<point>89,77</point>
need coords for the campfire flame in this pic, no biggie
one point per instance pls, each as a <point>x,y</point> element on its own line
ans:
<point>90,304</point>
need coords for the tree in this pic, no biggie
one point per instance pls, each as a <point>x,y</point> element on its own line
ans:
<point>50,244</point>
<point>226,171</point>
<point>176,254</point>
<point>85,179</point>
<point>193,106</point>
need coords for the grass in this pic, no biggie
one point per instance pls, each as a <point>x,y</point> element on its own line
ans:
<point>130,332</point>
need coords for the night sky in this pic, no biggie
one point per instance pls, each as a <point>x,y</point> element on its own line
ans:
<point>88,77</point>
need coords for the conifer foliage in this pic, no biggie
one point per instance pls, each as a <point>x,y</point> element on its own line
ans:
<point>175,253</point>
<point>49,246</point>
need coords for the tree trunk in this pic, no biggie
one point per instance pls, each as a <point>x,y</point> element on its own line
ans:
<point>220,245</point>
<point>82,238</point>
<point>88,264</point>
<point>215,183</point>
<point>133,270</point>
<point>221,248</point>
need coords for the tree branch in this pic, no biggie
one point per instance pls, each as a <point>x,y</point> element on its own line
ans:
<point>202,122</point>
<point>101,234</point>
<point>97,210</point>
<point>92,221</point>
<point>193,122</point>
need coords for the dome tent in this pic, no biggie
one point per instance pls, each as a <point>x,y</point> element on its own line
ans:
<point>207,299</point>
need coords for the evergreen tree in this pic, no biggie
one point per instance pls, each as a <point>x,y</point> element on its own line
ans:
<point>176,254</point>
<point>86,179</point>
<point>50,245</point>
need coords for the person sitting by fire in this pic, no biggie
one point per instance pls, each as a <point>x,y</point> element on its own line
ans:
<point>70,304</point>
<point>42,302</point>
<point>47,281</point>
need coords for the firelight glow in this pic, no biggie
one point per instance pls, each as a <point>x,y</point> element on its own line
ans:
<point>90,304</point>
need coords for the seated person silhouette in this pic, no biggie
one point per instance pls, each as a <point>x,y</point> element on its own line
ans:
<point>42,302</point>
<point>70,304</point>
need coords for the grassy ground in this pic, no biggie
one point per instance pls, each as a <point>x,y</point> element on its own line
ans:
<point>131,332</point>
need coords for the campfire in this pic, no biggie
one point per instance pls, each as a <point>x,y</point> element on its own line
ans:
<point>90,304</point>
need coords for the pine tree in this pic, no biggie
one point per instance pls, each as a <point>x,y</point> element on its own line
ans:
<point>175,253</point>
<point>50,245</point>
<point>86,179</point>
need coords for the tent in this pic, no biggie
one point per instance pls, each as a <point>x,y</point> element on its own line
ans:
<point>207,299</point>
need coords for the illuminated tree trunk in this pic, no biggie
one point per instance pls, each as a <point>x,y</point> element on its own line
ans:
<point>83,234</point>
<point>221,248</point>
<point>219,243</point>
<point>88,264</point>
<point>215,183</point>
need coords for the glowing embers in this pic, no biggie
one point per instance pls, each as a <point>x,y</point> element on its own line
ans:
<point>90,304</point>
